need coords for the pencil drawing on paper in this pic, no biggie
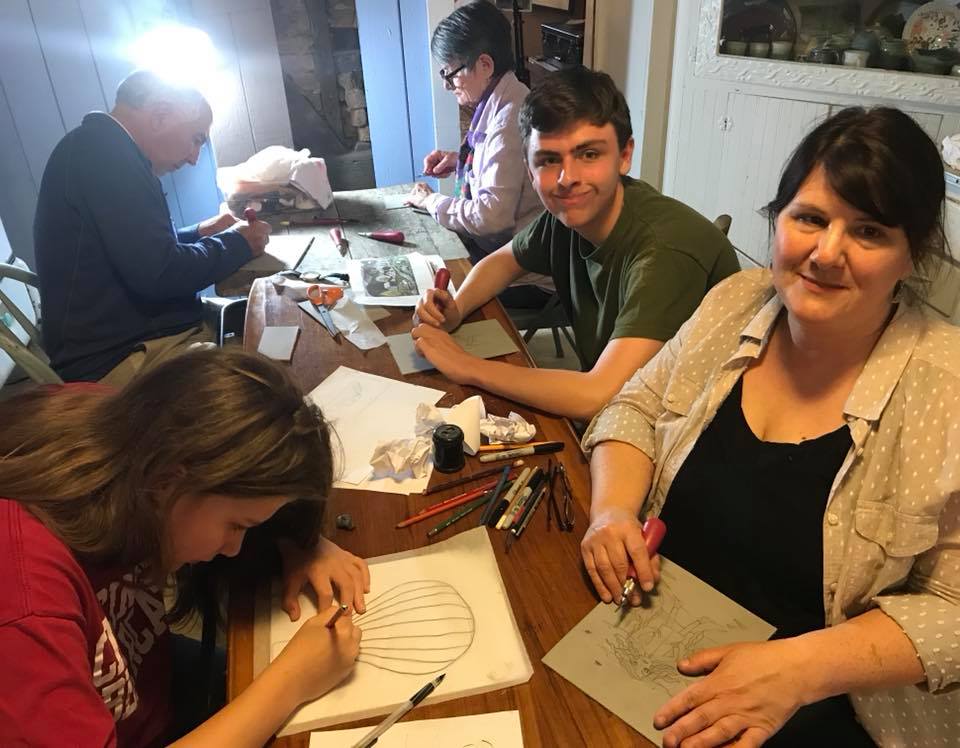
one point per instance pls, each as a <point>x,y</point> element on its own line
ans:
<point>416,628</point>
<point>649,642</point>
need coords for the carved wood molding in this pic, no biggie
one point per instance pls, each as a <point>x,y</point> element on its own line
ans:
<point>912,88</point>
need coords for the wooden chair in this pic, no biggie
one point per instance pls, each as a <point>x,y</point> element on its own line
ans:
<point>20,323</point>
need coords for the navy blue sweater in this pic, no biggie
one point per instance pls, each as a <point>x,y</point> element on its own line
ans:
<point>113,271</point>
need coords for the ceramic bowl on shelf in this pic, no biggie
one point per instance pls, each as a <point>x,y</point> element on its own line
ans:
<point>823,56</point>
<point>935,62</point>
<point>759,49</point>
<point>893,54</point>
<point>856,58</point>
<point>735,48</point>
<point>781,50</point>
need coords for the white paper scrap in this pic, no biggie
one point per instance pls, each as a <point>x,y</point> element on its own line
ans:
<point>278,342</point>
<point>356,325</point>
<point>499,729</point>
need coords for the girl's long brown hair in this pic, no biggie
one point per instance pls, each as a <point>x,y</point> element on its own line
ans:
<point>102,469</point>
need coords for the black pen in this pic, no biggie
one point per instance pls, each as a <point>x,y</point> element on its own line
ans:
<point>495,496</point>
<point>371,737</point>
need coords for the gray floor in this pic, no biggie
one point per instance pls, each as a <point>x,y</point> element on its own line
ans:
<point>542,349</point>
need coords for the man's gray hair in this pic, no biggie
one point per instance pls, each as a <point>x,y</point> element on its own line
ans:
<point>144,87</point>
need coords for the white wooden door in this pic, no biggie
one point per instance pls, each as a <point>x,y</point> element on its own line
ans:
<point>758,134</point>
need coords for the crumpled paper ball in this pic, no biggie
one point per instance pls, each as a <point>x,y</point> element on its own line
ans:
<point>514,429</point>
<point>400,458</point>
<point>428,418</point>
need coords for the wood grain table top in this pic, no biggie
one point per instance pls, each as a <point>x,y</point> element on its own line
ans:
<point>542,572</point>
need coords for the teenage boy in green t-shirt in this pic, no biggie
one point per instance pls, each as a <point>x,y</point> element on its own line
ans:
<point>630,265</point>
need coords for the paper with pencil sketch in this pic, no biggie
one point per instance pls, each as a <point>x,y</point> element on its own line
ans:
<point>493,730</point>
<point>438,609</point>
<point>484,339</point>
<point>631,666</point>
<point>365,409</point>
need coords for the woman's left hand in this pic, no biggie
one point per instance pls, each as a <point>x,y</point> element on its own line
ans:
<point>419,194</point>
<point>328,568</point>
<point>749,692</point>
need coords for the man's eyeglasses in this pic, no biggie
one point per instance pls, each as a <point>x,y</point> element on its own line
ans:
<point>448,77</point>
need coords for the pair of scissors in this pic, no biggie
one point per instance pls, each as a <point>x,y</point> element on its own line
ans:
<point>323,297</point>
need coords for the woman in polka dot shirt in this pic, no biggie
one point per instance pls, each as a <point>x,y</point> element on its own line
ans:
<point>800,436</point>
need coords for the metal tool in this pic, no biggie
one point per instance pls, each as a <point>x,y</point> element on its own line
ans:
<point>340,241</point>
<point>318,221</point>
<point>393,237</point>
<point>323,297</point>
<point>653,531</point>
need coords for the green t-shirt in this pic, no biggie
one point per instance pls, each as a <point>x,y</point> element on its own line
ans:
<point>644,281</point>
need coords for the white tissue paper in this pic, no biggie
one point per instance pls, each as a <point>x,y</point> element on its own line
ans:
<point>356,323</point>
<point>428,418</point>
<point>514,429</point>
<point>401,458</point>
<point>467,415</point>
<point>951,151</point>
<point>274,165</point>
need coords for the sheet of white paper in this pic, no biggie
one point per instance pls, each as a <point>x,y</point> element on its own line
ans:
<point>484,339</point>
<point>492,730</point>
<point>441,608</point>
<point>278,342</point>
<point>630,666</point>
<point>393,281</point>
<point>365,409</point>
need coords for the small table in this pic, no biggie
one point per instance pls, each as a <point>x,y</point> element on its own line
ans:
<point>543,573</point>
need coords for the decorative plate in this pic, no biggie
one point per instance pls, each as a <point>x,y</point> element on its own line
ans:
<point>933,26</point>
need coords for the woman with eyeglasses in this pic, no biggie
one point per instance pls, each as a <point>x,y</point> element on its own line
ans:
<point>493,198</point>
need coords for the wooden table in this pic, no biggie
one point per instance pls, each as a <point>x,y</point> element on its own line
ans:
<point>543,574</point>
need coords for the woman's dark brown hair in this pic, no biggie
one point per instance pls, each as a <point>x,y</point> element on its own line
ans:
<point>102,469</point>
<point>882,163</point>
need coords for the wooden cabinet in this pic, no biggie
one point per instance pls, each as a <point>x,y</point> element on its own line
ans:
<point>731,130</point>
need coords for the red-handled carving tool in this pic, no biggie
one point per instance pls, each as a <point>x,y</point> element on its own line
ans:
<point>441,280</point>
<point>340,241</point>
<point>393,237</point>
<point>653,531</point>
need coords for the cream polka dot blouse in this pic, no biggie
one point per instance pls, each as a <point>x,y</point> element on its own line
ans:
<point>891,529</point>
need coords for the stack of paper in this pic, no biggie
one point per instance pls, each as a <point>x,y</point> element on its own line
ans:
<point>365,409</point>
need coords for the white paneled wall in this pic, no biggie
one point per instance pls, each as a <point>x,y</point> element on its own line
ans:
<point>251,112</point>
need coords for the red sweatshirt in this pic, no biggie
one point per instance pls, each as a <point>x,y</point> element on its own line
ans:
<point>84,655</point>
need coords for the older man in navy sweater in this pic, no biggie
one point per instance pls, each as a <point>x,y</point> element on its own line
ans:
<point>118,282</point>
